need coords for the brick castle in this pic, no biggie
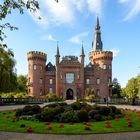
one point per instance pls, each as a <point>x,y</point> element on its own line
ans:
<point>69,78</point>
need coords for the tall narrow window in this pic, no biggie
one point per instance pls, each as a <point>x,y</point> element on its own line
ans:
<point>98,81</point>
<point>104,66</point>
<point>87,81</point>
<point>51,81</point>
<point>40,80</point>
<point>69,78</point>
<point>109,80</point>
<point>35,67</point>
<point>50,90</point>
<point>109,66</point>
<point>41,67</point>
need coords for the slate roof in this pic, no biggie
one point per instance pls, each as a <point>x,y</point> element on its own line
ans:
<point>50,67</point>
<point>70,60</point>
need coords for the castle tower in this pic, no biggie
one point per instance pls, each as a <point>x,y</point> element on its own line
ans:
<point>82,76</point>
<point>36,73</point>
<point>57,56</point>
<point>102,61</point>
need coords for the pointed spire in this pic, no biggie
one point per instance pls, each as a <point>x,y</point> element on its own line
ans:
<point>97,24</point>
<point>58,54</point>
<point>97,44</point>
<point>82,52</point>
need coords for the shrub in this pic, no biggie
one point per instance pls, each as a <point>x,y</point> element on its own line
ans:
<point>63,104</point>
<point>76,105</point>
<point>82,115</point>
<point>27,109</point>
<point>113,108</point>
<point>68,116</point>
<point>68,108</point>
<point>36,109</point>
<point>105,110</point>
<point>37,117</point>
<point>98,117</point>
<point>48,114</point>
<point>118,111</point>
<point>19,112</point>
<point>87,107</point>
<point>92,113</point>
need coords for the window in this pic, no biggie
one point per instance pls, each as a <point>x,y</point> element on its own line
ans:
<point>104,66</point>
<point>98,93</point>
<point>69,78</point>
<point>50,90</point>
<point>35,67</point>
<point>61,76</point>
<point>40,92</point>
<point>51,81</point>
<point>109,66</point>
<point>87,81</point>
<point>29,66</point>
<point>29,80</point>
<point>109,80</point>
<point>40,81</point>
<point>78,76</point>
<point>98,81</point>
<point>41,67</point>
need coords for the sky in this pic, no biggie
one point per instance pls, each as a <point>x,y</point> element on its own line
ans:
<point>72,22</point>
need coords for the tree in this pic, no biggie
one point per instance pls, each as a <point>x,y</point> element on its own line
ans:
<point>6,8</point>
<point>132,89</point>
<point>7,74</point>
<point>116,88</point>
<point>22,83</point>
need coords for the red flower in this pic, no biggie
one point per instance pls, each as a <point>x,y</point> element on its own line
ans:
<point>29,129</point>
<point>88,124</point>
<point>61,125</point>
<point>87,128</point>
<point>49,127</point>
<point>107,126</point>
<point>48,123</point>
<point>129,124</point>
<point>84,123</point>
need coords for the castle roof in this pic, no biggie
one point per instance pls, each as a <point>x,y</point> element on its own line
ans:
<point>70,60</point>
<point>50,67</point>
<point>89,67</point>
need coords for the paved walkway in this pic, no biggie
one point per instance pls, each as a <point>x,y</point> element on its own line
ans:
<point>12,107</point>
<point>112,136</point>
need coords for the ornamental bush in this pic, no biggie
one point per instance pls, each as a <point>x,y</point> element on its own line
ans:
<point>76,105</point>
<point>68,116</point>
<point>92,113</point>
<point>82,115</point>
<point>104,110</point>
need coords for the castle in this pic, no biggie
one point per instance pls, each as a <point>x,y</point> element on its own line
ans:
<point>69,78</point>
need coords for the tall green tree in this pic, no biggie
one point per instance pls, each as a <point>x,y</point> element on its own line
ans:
<point>7,74</point>
<point>116,88</point>
<point>22,83</point>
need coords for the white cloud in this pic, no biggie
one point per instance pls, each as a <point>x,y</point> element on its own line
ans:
<point>65,11</point>
<point>48,37</point>
<point>95,6</point>
<point>77,39</point>
<point>115,51</point>
<point>134,6</point>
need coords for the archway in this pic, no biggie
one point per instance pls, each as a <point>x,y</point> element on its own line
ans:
<point>69,94</point>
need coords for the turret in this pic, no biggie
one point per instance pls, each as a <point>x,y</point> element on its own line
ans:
<point>57,55</point>
<point>82,56</point>
<point>57,70</point>
<point>36,73</point>
<point>97,44</point>
<point>102,61</point>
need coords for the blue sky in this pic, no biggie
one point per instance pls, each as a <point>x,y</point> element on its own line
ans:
<point>72,21</point>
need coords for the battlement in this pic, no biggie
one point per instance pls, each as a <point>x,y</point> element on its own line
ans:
<point>101,55</point>
<point>36,55</point>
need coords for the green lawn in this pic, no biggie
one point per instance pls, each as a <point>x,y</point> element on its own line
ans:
<point>121,125</point>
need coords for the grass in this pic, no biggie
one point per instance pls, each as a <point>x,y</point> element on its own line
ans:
<point>7,124</point>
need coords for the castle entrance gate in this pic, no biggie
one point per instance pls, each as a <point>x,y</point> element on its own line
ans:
<point>69,94</point>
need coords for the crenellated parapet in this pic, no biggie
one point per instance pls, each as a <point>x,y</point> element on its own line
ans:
<point>98,55</point>
<point>36,55</point>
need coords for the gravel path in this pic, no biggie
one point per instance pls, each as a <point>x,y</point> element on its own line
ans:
<point>112,136</point>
